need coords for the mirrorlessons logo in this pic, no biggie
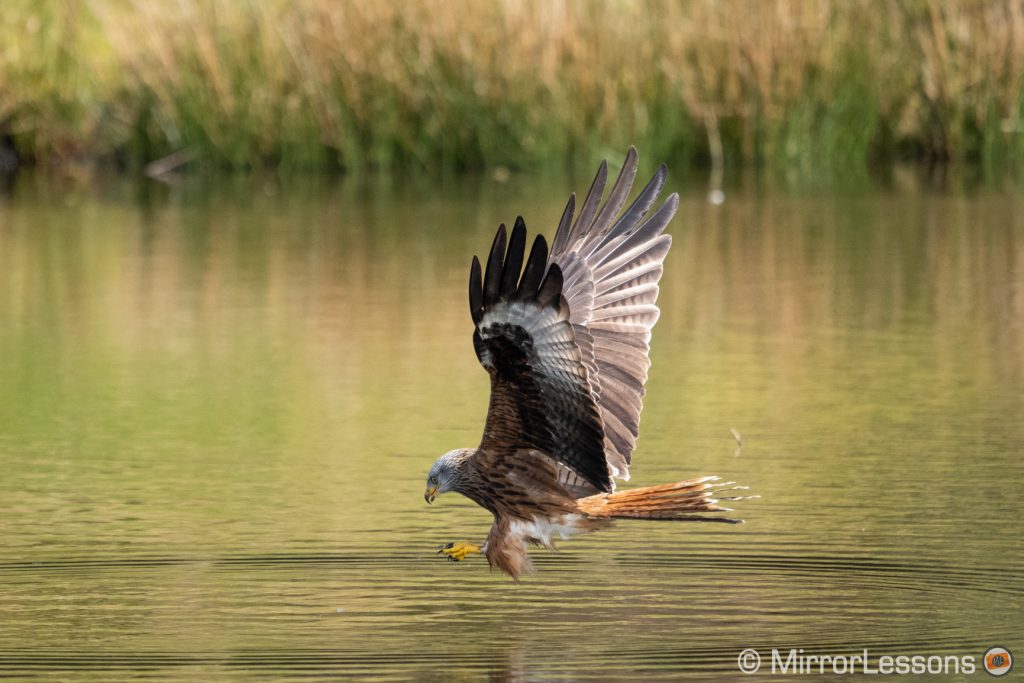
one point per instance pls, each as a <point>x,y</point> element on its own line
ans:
<point>997,661</point>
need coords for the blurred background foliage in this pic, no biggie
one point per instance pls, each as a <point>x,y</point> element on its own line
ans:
<point>807,84</point>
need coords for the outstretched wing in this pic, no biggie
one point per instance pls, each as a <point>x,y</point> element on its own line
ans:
<point>611,265</point>
<point>541,393</point>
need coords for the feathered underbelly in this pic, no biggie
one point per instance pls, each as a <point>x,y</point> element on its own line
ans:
<point>546,530</point>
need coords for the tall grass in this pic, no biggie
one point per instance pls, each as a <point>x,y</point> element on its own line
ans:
<point>360,83</point>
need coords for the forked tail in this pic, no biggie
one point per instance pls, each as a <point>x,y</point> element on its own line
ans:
<point>683,500</point>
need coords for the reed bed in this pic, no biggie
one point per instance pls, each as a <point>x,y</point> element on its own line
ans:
<point>806,84</point>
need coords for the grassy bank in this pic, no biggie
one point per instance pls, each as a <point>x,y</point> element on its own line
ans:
<point>357,84</point>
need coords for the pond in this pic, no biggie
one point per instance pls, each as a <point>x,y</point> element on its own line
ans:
<point>219,401</point>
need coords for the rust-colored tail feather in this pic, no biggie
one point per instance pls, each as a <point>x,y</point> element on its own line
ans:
<point>683,500</point>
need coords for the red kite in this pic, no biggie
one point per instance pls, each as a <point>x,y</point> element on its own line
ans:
<point>565,341</point>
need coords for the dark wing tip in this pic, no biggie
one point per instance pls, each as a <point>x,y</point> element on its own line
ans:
<point>550,291</point>
<point>534,271</point>
<point>495,263</point>
<point>476,291</point>
<point>498,245</point>
<point>513,259</point>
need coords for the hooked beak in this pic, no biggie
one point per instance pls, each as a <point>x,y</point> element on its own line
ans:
<point>430,495</point>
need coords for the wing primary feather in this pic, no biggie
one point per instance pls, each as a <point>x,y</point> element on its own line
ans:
<point>513,259</point>
<point>535,265</point>
<point>646,233</point>
<point>476,292</point>
<point>620,190</point>
<point>564,225</point>
<point>610,266</point>
<point>590,204</point>
<point>643,202</point>
<point>492,276</point>
<point>551,288</point>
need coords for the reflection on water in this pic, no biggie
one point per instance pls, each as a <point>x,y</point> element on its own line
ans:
<point>218,403</point>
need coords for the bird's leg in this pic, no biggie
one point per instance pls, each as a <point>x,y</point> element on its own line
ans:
<point>457,552</point>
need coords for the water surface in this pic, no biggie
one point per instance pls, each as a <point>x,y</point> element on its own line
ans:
<point>219,400</point>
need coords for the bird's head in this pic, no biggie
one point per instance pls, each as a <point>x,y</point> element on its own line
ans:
<point>446,474</point>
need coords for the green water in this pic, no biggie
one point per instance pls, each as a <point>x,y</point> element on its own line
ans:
<point>219,401</point>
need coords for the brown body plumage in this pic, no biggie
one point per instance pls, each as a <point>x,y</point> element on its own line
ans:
<point>565,341</point>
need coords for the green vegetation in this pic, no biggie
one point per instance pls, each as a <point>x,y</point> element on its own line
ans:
<point>463,84</point>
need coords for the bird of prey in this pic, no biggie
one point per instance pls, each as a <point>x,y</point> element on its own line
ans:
<point>565,341</point>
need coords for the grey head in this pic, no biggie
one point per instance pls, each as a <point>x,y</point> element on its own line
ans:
<point>447,474</point>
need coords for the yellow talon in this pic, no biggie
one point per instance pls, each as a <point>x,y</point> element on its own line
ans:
<point>456,552</point>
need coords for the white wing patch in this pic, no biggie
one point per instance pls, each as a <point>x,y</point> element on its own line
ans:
<point>553,342</point>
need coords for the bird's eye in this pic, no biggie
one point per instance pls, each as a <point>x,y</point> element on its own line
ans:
<point>433,480</point>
